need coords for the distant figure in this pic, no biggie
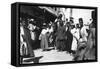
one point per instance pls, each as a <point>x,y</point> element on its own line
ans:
<point>84,33</point>
<point>69,38</point>
<point>81,22</point>
<point>76,36</point>
<point>43,38</point>
<point>32,28</point>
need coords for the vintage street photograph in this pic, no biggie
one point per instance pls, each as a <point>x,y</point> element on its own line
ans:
<point>56,34</point>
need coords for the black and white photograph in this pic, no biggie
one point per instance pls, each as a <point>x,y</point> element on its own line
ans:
<point>47,33</point>
<point>56,34</point>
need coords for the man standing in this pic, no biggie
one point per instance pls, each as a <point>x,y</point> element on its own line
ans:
<point>27,38</point>
<point>43,38</point>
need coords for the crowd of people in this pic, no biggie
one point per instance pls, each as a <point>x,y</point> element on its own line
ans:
<point>77,39</point>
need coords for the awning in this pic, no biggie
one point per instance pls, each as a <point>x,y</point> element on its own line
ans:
<point>49,10</point>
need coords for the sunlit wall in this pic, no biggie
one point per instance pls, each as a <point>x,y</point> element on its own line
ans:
<point>78,13</point>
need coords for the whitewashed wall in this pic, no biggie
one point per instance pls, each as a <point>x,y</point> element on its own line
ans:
<point>81,13</point>
<point>78,13</point>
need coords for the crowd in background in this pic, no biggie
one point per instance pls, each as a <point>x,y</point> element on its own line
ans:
<point>77,39</point>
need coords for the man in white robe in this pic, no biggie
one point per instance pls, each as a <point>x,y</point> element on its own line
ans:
<point>43,38</point>
<point>84,33</point>
<point>76,37</point>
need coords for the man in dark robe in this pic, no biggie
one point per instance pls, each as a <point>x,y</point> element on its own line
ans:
<point>27,38</point>
<point>60,37</point>
<point>69,39</point>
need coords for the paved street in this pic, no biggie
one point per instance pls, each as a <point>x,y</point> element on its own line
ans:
<point>52,56</point>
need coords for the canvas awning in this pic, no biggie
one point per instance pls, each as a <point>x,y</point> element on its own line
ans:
<point>49,10</point>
